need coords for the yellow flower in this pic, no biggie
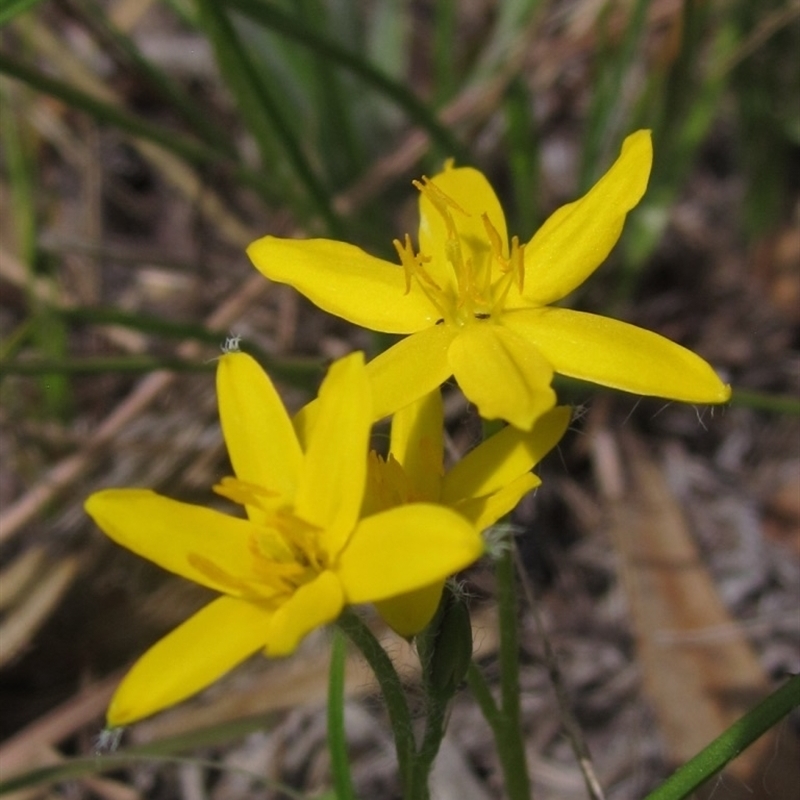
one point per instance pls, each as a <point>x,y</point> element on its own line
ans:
<point>301,554</point>
<point>483,486</point>
<point>481,310</point>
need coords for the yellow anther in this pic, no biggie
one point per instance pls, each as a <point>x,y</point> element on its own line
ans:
<point>302,536</point>
<point>280,577</point>
<point>407,259</point>
<point>442,202</point>
<point>414,267</point>
<point>494,239</point>
<point>215,573</point>
<point>245,493</point>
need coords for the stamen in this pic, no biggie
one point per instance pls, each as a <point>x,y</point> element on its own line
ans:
<point>414,267</point>
<point>414,264</point>
<point>281,578</point>
<point>407,259</point>
<point>216,574</point>
<point>302,536</point>
<point>440,199</point>
<point>245,494</point>
<point>462,268</point>
<point>494,238</point>
<point>512,269</point>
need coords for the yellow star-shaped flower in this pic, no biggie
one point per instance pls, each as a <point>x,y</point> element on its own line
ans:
<point>302,553</point>
<point>481,309</point>
<point>486,484</point>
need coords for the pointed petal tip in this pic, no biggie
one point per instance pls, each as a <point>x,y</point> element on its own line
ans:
<point>642,138</point>
<point>724,393</point>
<point>120,714</point>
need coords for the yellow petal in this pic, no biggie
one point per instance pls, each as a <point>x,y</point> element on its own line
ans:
<point>409,369</point>
<point>193,656</point>
<point>315,603</point>
<point>262,444</point>
<point>619,355</point>
<point>345,281</point>
<point>483,512</point>
<point>504,457</point>
<point>473,196</point>
<point>200,544</point>
<point>417,442</point>
<point>502,374</point>
<point>408,614</point>
<point>335,470</point>
<point>578,237</point>
<point>404,549</point>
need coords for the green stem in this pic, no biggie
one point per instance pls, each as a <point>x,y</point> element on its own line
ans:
<point>765,401</point>
<point>337,741</point>
<point>436,717</point>
<point>392,690</point>
<point>480,689</point>
<point>509,736</point>
<point>726,747</point>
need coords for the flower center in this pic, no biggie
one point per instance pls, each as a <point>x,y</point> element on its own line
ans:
<point>286,550</point>
<point>473,282</point>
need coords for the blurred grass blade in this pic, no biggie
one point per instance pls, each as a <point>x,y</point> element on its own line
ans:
<point>344,154</point>
<point>100,364</point>
<point>764,80</point>
<point>608,113</point>
<point>523,158</point>
<point>11,8</point>
<point>123,48</point>
<point>690,105</point>
<point>387,40</point>
<point>48,331</point>
<point>444,51</point>
<point>146,323</point>
<point>512,24</point>
<point>190,150</point>
<point>298,372</point>
<point>260,109</point>
<point>417,111</point>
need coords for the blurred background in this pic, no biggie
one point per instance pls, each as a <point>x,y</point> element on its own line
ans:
<point>145,143</point>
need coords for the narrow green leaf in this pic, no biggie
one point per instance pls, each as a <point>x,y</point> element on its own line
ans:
<point>260,109</point>
<point>48,333</point>
<point>11,8</point>
<point>302,374</point>
<point>417,111</point>
<point>512,20</point>
<point>123,48</point>
<point>338,144</point>
<point>523,157</point>
<point>608,116</point>
<point>709,761</point>
<point>444,51</point>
